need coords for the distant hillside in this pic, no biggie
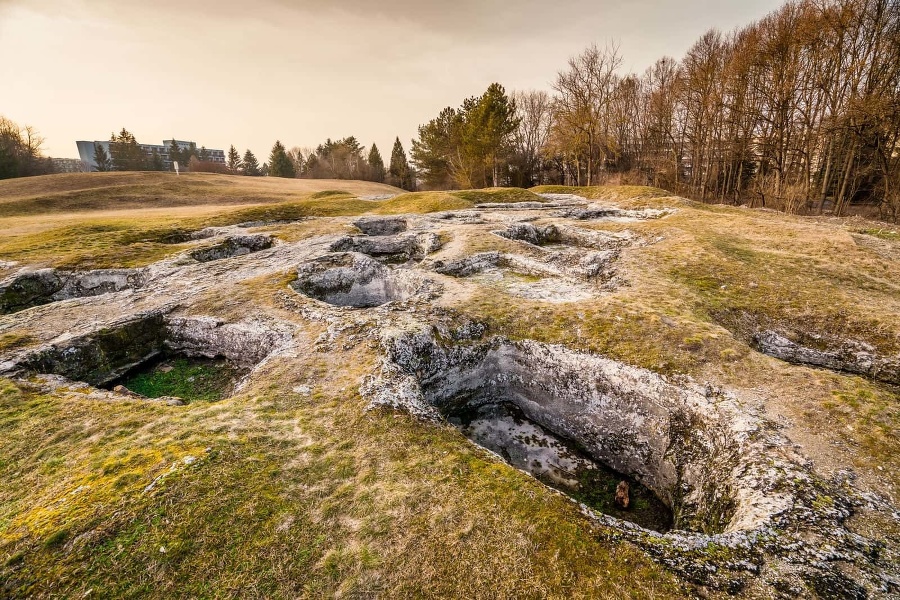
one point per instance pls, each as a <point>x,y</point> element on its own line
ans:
<point>75,192</point>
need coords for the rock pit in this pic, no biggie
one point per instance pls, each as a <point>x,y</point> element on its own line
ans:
<point>44,286</point>
<point>351,279</point>
<point>733,484</point>
<point>693,447</point>
<point>553,280</point>
<point>233,246</point>
<point>103,356</point>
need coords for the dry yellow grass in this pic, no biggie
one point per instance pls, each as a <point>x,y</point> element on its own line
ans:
<point>78,192</point>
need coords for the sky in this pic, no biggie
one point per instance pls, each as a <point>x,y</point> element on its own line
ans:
<point>300,71</point>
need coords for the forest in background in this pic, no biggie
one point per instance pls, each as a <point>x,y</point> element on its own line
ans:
<point>799,112</point>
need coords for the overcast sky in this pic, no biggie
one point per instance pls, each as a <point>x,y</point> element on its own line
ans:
<point>247,73</point>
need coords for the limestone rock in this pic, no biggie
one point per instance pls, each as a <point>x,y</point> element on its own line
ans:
<point>238,245</point>
<point>381,225</point>
<point>43,286</point>
<point>850,357</point>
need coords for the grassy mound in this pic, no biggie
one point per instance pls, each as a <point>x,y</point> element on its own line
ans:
<point>605,192</point>
<point>501,195</point>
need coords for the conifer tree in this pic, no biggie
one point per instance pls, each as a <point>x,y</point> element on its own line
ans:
<point>175,155</point>
<point>234,163</point>
<point>251,165</point>
<point>101,158</point>
<point>401,175</point>
<point>125,153</point>
<point>376,165</point>
<point>279,164</point>
<point>203,154</point>
<point>156,161</point>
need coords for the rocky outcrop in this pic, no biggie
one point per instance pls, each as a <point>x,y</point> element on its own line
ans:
<point>399,248</point>
<point>102,355</point>
<point>594,212</point>
<point>355,280</point>
<point>850,357</point>
<point>470,265</point>
<point>238,245</point>
<point>106,354</point>
<point>381,225</point>
<point>245,343</point>
<point>526,232</point>
<point>34,288</point>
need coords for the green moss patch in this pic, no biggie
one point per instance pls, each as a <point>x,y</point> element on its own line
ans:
<point>190,379</point>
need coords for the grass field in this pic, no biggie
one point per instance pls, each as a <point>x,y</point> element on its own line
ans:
<point>106,220</point>
<point>291,489</point>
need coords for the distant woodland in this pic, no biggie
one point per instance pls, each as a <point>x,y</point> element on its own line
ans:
<point>798,112</point>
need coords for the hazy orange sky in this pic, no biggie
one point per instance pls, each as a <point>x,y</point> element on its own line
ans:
<point>248,73</point>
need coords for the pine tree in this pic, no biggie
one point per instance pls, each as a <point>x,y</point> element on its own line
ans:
<point>175,155</point>
<point>401,175</point>
<point>251,165</point>
<point>101,158</point>
<point>125,153</point>
<point>376,165</point>
<point>279,163</point>
<point>234,161</point>
<point>204,154</point>
<point>156,161</point>
<point>187,153</point>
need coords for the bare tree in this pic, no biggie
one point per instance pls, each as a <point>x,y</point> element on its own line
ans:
<point>585,91</point>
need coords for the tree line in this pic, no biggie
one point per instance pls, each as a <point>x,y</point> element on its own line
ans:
<point>341,159</point>
<point>799,111</point>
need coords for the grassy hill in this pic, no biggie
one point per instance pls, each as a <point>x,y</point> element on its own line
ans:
<point>97,220</point>
<point>78,192</point>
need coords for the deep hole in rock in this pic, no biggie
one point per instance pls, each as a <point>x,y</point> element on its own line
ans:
<point>355,280</point>
<point>190,378</point>
<point>137,351</point>
<point>504,429</point>
<point>696,449</point>
<point>238,245</point>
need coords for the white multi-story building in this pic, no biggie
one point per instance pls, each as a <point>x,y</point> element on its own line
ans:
<point>86,151</point>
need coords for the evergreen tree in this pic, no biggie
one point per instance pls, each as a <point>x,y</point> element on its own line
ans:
<point>279,163</point>
<point>376,165</point>
<point>401,174</point>
<point>175,155</point>
<point>469,147</point>
<point>125,153</point>
<point>156,161</point>
<point>234,161</point>
<point>187,153</point>
<point>204,154</point>
<point>251,165</point>
<point>101,158</point>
